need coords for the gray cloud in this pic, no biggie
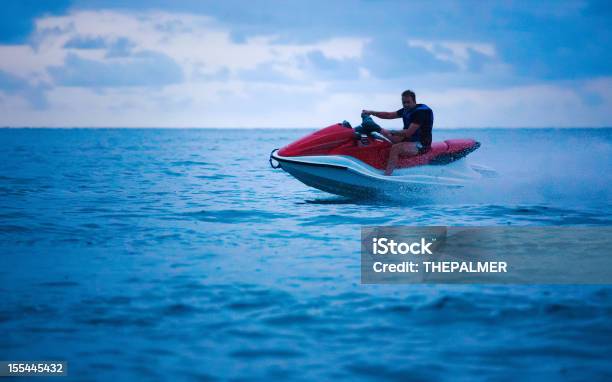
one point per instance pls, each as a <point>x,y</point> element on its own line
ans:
<point>386,61</point>
<point>86,42</point>
<point>141,69</point>
<point>324,67</point>
<point>120,47</point>
<point>34,94</point>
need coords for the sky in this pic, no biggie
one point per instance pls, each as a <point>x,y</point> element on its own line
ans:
<point>303,63</point>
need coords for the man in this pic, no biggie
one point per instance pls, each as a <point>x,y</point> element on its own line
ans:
<point>415,138</point>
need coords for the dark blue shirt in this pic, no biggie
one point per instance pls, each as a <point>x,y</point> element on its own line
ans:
<point>422,115</point>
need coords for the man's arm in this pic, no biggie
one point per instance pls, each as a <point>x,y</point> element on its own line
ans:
<point>407,133</point>
<point>382,114</point>
<point>397,136</point>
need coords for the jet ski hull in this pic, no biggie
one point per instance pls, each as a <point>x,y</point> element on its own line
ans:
<point>349,177</point>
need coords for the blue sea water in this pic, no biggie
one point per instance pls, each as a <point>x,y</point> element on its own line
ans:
<point>158,254</point>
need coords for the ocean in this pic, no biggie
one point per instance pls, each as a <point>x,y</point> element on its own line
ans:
<point>179,254</point>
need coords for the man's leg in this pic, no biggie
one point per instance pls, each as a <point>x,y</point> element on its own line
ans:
<point>402,148</point>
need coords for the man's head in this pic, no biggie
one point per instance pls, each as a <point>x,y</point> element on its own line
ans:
<point>408,99</point>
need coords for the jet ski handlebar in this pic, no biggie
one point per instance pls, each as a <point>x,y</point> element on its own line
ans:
<point>369,128</point>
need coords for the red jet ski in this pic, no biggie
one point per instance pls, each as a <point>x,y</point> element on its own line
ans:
<point>346,161</point>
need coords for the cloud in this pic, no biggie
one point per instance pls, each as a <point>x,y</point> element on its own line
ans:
<point>141,69</point>
<point>13,85</point>
<point>120,48</point>
<point>463,54</point>
<point>85,42</point>
<point>268,72</point>
<point>385,60</point>
<point>323,67</point>
<point>568,104</point>
<point>192,41</point>
<point>191,60</point>
<point>282,66</point>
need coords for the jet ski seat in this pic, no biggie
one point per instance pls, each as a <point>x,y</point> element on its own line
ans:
<point>436,149</point>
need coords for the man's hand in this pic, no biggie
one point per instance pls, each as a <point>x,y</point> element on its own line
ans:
<point>367,112</point>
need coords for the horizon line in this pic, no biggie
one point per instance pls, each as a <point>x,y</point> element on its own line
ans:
<point>289,128</point>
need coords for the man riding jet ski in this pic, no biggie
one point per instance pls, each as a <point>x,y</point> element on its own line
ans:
<point>353,162</point>
<point>416,137</point>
